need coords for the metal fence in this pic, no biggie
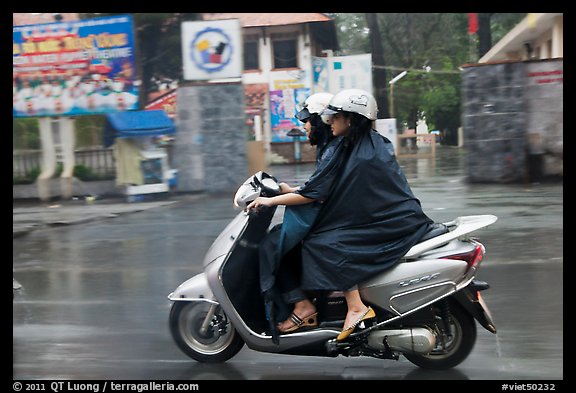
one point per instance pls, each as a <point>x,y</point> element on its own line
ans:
<point>25,162</point>
<point>100,161</point>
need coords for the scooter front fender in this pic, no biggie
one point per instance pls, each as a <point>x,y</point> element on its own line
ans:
<point>193,289</point>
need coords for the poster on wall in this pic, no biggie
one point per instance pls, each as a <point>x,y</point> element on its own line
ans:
<point>283,107</point>
<point>74,67</point>
<point>331,74</point>
<point>387,128</point>
<point>165,102</point>
<point>288,91</point>
<point>212,49</point>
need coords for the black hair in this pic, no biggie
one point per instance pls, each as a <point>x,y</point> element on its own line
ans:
<point>359,126</point>
<point>320,132</point>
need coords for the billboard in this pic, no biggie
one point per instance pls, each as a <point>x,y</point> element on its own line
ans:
<point>74,67</point>
<point>335,73</point>
<point>212,49</point>
<point>284,105</point>
<point>165,102</point>
<point>288,91</point>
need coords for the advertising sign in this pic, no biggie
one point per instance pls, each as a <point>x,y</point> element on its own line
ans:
<point>387,127</point>
<point>166,102</point>
<point>74,68</point>
<point>288,91</point>
<point>212,49</point>
<point>283,107</point>
<point>335,73</point>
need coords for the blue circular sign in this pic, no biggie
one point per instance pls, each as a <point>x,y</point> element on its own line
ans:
<point>211,49</point>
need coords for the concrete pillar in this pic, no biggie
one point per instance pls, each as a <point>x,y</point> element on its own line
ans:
<point>48,158</point>
<point>558,37</point>
<point>211,151</point>
<point>67,140</point>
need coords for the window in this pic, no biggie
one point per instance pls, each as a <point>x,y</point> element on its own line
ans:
<point>251,59</point>
<point>285,54</point>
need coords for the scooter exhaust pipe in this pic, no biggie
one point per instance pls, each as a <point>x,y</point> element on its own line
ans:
<point>417,340</point>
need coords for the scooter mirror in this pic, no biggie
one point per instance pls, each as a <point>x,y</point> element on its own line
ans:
<point>271,184</point>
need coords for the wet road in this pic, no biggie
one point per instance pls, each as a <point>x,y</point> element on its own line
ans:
<point>94,300</point>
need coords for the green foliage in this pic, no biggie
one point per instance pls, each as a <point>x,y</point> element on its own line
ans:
<point>81,172</point>
<point>25,134</point>
<point>29,178</point>
<point>89,130</point>
<point>84,173</point>
<point>413,41</point>
<point>352,33</point>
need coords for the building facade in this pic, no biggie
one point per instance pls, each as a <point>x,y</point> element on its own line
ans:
<point>513,105</point>
<point>278,73</point>
<point>538,36</point>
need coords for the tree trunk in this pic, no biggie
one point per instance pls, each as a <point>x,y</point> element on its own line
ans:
<point>484,34</point>
<point>379,80</point>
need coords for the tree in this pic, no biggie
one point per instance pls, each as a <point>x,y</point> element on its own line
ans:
<point>431,47</point>
<point>379,77</point>
<point>352,32</point>
<point>484,33</point>
<point>417,42</point>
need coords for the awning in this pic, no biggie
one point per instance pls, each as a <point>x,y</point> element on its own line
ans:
<point>134,124</point>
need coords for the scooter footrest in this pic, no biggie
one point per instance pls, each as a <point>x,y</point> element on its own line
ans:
<point>332,324</point>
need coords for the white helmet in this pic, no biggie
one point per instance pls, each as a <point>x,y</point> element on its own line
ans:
<point>353,100</point>
<point>316,103</point>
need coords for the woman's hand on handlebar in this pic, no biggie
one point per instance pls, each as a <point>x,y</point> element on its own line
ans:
<point>257,203</point>
<point>288,199</point>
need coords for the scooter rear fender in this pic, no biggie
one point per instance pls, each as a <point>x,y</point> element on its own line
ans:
<point>470,298</point>
<point>193,289</point>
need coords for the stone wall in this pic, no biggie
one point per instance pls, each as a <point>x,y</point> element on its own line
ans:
<point>512,120</point>
<point>545,118</point>
<point>210,148</point>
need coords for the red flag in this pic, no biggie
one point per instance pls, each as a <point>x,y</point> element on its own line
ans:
<point>472,23</point>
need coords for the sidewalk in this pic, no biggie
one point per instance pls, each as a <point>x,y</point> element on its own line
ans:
<point>29,216</point>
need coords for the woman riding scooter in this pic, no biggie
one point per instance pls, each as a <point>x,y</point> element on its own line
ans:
<point>280,250</point>
<point>368,217</point>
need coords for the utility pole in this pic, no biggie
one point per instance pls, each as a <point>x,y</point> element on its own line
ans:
<point>392,83</point>
<point>378,71</point>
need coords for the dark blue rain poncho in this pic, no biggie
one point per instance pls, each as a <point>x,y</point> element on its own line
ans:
<point>298,219</point>
<point>368,219</point>
<point>296,224</point>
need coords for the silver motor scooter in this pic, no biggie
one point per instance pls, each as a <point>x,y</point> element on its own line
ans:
<point>426,305</point>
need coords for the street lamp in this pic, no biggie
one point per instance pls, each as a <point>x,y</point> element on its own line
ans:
<point>391,83</point>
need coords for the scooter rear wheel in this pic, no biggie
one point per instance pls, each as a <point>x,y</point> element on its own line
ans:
<point>456,348</point>
<point>211,346</point>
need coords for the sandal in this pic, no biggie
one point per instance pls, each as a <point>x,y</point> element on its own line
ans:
<point>309,321</point>
<point>368,314</point>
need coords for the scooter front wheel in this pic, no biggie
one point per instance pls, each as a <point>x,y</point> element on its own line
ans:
<point>205,339</point>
